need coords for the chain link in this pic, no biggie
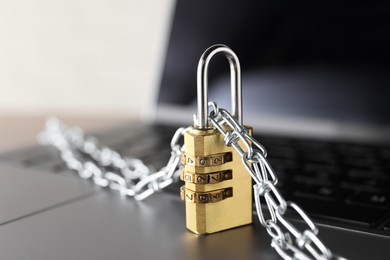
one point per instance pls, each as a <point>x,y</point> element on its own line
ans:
<point>133,178</point>
<point>106,167</point>
<point>271,207</point>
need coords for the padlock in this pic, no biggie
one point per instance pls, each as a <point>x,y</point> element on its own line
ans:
<point>217,189</point>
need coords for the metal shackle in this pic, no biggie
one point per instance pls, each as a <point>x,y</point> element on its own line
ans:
<point>202,80</point>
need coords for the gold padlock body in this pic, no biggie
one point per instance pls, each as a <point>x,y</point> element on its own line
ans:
<point>218,189</point>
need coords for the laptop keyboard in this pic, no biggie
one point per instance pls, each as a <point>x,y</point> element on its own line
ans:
<point>334,182</point>
<point>340,184</point>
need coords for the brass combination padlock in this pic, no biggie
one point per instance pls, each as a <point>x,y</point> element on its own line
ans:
<point>217,190</point>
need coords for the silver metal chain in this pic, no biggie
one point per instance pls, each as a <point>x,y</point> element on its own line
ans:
<point>133,178</point>
<point>271,207</point>
<point>106,167</point>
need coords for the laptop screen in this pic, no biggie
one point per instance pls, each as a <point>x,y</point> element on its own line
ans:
<point>327,62</point>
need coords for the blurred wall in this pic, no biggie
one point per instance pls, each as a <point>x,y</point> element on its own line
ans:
<point>83,57</point>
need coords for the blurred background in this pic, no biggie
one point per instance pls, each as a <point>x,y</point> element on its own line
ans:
<point>91,63</point>
<point>98,63</point>
<point>80,57</point>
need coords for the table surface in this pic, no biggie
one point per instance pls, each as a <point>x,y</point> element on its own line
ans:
<point>17,131</point>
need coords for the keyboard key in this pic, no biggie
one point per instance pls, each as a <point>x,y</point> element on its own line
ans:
<point>273,141</point>
<point>370,198</point>
<point>321,167</point>
<point>384,153</point>
<point>311,145</point>
<point>316,192</point>
<point>366,184</point>
<point>310,180</point>
<point>319,157</point>
<point>361,173</point>
<point>321,192</point>
<point>325,174</point>
<point>282,166</point>
<point>343,213</point>
<point>367,164</point>
<point>355,150</point>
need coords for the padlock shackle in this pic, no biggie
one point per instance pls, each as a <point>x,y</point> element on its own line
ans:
<point>202,80</point>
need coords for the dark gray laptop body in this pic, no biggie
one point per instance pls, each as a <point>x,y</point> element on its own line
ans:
<point>301,87</point>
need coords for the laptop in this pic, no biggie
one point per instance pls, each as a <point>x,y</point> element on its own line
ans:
<point>315,91</point>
